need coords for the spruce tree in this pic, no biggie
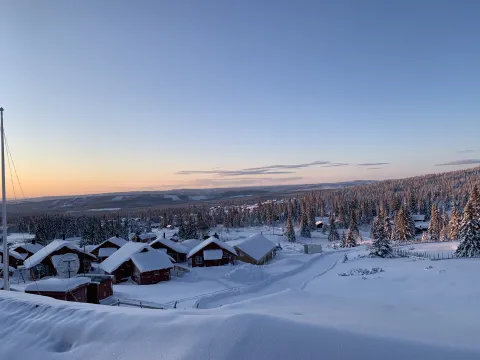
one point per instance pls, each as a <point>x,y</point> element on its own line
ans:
<point>475,200</point>
<point>289,230</point>
<point>353,226</point>
<point>404,226</point>
<point>469,234</point>
<point>435,224</point>
<point>333,234</point>
<point>343,240</point>
<point>350,240</point>
<point>454,224</point>
<point>305,226</point>
<point>381,241</point>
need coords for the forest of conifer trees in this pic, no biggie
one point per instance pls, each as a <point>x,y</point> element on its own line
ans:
<point>441,197</point>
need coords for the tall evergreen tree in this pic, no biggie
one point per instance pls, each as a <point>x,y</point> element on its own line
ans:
<point>289,230</point>
<point>454,224</point>
<point>381,233</point>
<point>475,200</point>
<point>305,226</point>
<point>404,225</point>
<point>350,240</point>
<point>343,240</point>
<point>333,234</point>
<point>469,234</point>
<point>435,224</point>
<point>353,226</point>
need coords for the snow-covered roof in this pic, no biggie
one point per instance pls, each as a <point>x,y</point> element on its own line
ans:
<point>418,217</point>
<point>256,246</point>
<point>33,248</point>
<point>55,245</point>
<point>147,236</point>
<point>123,254</point>
<point>152,260</point>
<point>17,255</point>
<point>106,252</point>
<point>57,284</point>
<point>191,243</point>
<point>212,254</point>
<point>172,245</point>
<point>118,241</point>
<point>209,241</point>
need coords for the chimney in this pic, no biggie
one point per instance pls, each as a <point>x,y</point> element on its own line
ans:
<point>63,237</point>
<point>116,235</point>
<point>164,235</point>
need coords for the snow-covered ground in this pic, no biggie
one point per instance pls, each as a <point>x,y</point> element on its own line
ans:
<point>296,307</point>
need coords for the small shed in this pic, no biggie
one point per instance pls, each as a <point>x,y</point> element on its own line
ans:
<point>256,249</point>
<point>73,289</point>
<point>212,252</point>
<point>151,267</point>
<point>145,238</point>
<point>319,224</point>
<point>176,250</point>
<point>99,288</point>
<point>312,248</point>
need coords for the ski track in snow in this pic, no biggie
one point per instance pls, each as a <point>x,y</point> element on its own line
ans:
<point>273,284</point>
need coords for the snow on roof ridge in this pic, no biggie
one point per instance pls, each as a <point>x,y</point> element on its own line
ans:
<point>33,248</point>
<point>115,240</point>
<point>256,246</point>
<point>152,260</point>
<point>55,245</point>
<point>211,239</point>
<point>171,244</point>
<point>57,284</point>
<point>123,254</point>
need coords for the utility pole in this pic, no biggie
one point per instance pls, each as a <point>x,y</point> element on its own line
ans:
<point>6,285</point>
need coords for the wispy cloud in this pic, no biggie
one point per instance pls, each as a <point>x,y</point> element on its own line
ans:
<point>277,169</point>
<point>233,172</point>
<point>374,168</point>
<point>290,166</point>
<point>460,162</point>
<point>465,151</point>
<point>335,165</point>
<point>374,164</point>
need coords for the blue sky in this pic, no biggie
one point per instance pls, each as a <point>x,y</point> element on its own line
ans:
<point>121,95</point>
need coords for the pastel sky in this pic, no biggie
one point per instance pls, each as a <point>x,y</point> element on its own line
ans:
<point>104,96</point>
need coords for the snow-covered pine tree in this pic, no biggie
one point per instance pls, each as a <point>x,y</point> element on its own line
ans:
<point>353,226</point>
<point>425,236</point>
<point>164,222</point>
<point>404,225</point>
<point>475,200</point>
<point>381,241</point>
<point>343,240</point>
<point>304,224</point>
<point>289,230</point>
<point>410,233</point>
<point>435,224</point>
<point>469,234</point>
<point>454,224</point>
<point>350,240</point>
<point>333,234</point>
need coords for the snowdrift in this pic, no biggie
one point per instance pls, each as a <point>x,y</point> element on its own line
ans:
<point>34,327</point>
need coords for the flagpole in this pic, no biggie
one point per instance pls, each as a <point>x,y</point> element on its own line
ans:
<point>6,285</point>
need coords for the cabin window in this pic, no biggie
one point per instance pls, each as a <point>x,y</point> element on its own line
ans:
<point>156,273</point>
<point>225,255</point>
<point>199,259</point>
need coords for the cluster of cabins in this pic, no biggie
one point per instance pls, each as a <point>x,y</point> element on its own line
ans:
<point>119,260</point>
